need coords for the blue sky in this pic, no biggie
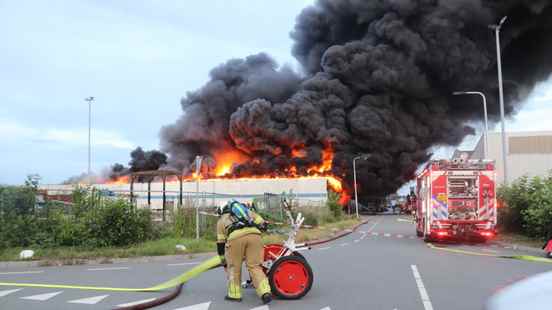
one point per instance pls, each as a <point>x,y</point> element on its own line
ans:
<point>138,58</point>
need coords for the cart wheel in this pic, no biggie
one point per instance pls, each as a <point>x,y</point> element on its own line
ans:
<point>290,277</point>
<point>299,255</point>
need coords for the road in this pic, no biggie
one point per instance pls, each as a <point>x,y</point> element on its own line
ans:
<point>381,266</point>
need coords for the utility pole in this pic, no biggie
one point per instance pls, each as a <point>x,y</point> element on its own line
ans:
<point>486,130</point>
<point>497,29</point>
<point>198,161</point>
<point>364,157</point>
<point>89,99</point>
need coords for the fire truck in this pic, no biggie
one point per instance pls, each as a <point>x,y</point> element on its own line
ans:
<point>456,200</point>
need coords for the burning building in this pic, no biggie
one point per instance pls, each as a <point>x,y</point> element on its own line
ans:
<point>160,196</point>
<point>376,78</point>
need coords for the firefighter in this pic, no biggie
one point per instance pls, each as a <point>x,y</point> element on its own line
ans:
<point>238,239</point>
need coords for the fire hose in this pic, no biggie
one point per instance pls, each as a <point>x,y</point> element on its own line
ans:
<point>528,258</point>
<point>176,282</point>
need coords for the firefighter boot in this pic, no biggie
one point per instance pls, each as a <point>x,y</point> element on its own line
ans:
<point>267,298</point>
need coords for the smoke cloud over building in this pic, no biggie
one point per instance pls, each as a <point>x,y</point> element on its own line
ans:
<point>377,78</point>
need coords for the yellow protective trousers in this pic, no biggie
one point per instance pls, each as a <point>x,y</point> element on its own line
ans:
<point>250,248</point>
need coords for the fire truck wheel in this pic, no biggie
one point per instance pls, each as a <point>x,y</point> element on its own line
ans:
<point>549,254</point>
<point>419,233</point>
<point>290,277</point>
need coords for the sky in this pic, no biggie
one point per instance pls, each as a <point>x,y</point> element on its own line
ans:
<point>137,58</point>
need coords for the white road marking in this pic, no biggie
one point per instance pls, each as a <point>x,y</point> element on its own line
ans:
<point>421,288</point>
<point>325,248</point>
<point>326,308</point>
<point>373,226</point>
<point>183,264</point>
<point>108,269</point>
<point>21,272</point>
<point>344,244</point>
<point>42,297</point>
<point>265,307</point>
<point>89,300</point>
<point>404,220</point>
<point>375,234</point>
<point>362,237</point>
<point>357,240</point>
<point>7,292</point>
<point>203,306</point>
<point>400,236</point>
<point>387,235</point>
<point>135,302</point>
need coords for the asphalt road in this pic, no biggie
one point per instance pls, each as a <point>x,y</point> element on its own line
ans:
<point>381,266</point>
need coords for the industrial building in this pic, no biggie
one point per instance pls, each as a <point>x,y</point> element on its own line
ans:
<point>528,153</point>
<point>209,192</point>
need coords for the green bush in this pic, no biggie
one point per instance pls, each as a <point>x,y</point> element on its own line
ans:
<point>528,207</point>
<point>116,223</point>
<point>336,210</point>
<point>94,221</point>
<point>516,199</point>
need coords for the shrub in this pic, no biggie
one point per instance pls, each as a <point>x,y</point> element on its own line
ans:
<point>528,207</point>
<point>336,210</point>
<point>116,223</point>
<point>95,221</point>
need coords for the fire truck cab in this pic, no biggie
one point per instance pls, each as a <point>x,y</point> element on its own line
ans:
<point>455,200</point>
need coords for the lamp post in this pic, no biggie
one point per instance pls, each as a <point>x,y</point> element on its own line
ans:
<point>89,100</point>
<point>497,29</point>
<point>486,131</point>
<point>364,157</point>
<point>198,161</point>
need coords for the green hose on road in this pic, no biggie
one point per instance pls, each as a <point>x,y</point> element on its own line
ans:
<point>528,258</point>
<point>181,279</point>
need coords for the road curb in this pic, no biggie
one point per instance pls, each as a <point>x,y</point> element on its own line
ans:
<point>520,248</point>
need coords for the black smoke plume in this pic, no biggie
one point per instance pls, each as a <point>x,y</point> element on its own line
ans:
<point>377,79</point>
<point>140,161</point>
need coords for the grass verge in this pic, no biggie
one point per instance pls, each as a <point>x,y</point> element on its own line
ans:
<point>165,246</point>
<point>512,238</point>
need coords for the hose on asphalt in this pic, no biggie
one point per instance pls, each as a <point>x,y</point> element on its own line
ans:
<point>209,264</point>
<point>528,258</point>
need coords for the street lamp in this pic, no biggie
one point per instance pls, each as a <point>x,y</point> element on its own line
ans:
<point>198,161</point>
<point>485,140</point>
<point>89,99</point>
<point>363,157</point>
<point>497,28</point>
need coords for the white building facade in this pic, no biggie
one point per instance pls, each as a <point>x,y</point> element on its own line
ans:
<point>528,153</point>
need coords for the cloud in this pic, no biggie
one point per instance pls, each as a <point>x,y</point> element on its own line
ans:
<point>14,131</point>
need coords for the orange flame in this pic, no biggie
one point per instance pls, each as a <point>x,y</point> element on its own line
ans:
<point>226,160</point>
<point>344,199</point>
<point>327,159</point>
<point>125,179</point>
<point>298,153</point>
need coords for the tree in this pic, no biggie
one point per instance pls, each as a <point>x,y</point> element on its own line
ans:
<point>33,180</point>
